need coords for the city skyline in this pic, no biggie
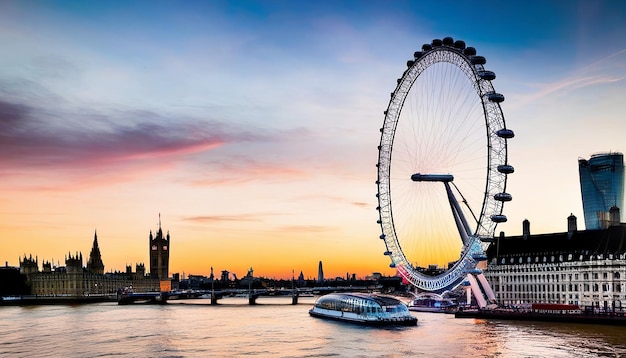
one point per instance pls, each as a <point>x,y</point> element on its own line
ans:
<point>252,126</point>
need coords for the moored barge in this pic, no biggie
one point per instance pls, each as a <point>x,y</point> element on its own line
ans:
<point>546,312</point>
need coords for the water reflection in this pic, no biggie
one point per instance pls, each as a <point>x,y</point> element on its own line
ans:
<point>277,328</point>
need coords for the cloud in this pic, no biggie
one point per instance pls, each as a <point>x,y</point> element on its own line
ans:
<point>308,229</point>
<point>223,218</point>
<point>361,204</point>
<point>33,138</point>
<point>239,170</point>
<point>93,146</point>
<point>12,115</point>
<point>607,70</point>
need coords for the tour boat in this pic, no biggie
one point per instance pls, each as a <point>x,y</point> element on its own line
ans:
<point>370,309</point>
<point>433,304</point>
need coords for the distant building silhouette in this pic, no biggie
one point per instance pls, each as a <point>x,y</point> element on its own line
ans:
<point>320,273</point>
<point>248,279</point>
<point>28,265</point>
<point>95,264</point>
<point>602,187</point>
<point>301,280</point>
<point>74,264</point>
<point>140,271</point>
<point>159,253</point>
<point>75,280</point>
<point>12,282</point>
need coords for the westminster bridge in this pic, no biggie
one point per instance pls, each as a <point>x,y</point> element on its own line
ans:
<point>129,297</point>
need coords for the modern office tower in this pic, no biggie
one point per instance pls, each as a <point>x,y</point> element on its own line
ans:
<point>602,187</point>
<point>320,273</point>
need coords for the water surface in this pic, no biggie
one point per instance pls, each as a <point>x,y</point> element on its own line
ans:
<point>275,328</point>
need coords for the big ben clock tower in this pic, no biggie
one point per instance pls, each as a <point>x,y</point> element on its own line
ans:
<point>159,253</point>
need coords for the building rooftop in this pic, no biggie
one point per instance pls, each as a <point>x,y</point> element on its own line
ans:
<point>585,243</point>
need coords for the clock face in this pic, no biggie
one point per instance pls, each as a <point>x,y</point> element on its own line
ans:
<point>154,247</point>
<point>165,248</point>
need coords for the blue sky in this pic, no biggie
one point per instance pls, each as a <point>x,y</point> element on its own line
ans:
<point>252,126</point>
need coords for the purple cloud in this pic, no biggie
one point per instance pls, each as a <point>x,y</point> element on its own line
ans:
<point>32,138</point>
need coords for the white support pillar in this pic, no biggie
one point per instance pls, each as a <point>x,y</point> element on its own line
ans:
<point>486,287</point>
<point>480,299</point>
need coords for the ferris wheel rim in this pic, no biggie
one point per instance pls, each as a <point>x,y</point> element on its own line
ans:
<point>497,166</point>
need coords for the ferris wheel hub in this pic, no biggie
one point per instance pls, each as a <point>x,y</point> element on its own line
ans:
<point>432,177</point>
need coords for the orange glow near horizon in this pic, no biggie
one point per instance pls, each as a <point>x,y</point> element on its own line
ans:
<point>197,257</point>
<point>271,243</point>
<point>270,254</point>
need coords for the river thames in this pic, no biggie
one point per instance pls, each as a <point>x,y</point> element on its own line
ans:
<point>275,328</point>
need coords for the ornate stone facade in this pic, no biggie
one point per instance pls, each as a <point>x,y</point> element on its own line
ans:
<point>95,264</point>
<point>159,254</point>
<point>587,268</point>
<point>75,280</point>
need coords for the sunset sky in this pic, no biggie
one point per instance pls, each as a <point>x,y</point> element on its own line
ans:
<point>252,126</point>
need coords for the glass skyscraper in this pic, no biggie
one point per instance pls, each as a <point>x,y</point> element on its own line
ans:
<point>601,186</point>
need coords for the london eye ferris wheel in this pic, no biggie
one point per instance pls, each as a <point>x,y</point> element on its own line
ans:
<point>442,166</point>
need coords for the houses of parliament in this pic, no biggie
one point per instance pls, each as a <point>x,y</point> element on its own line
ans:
<point>77,280</point>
